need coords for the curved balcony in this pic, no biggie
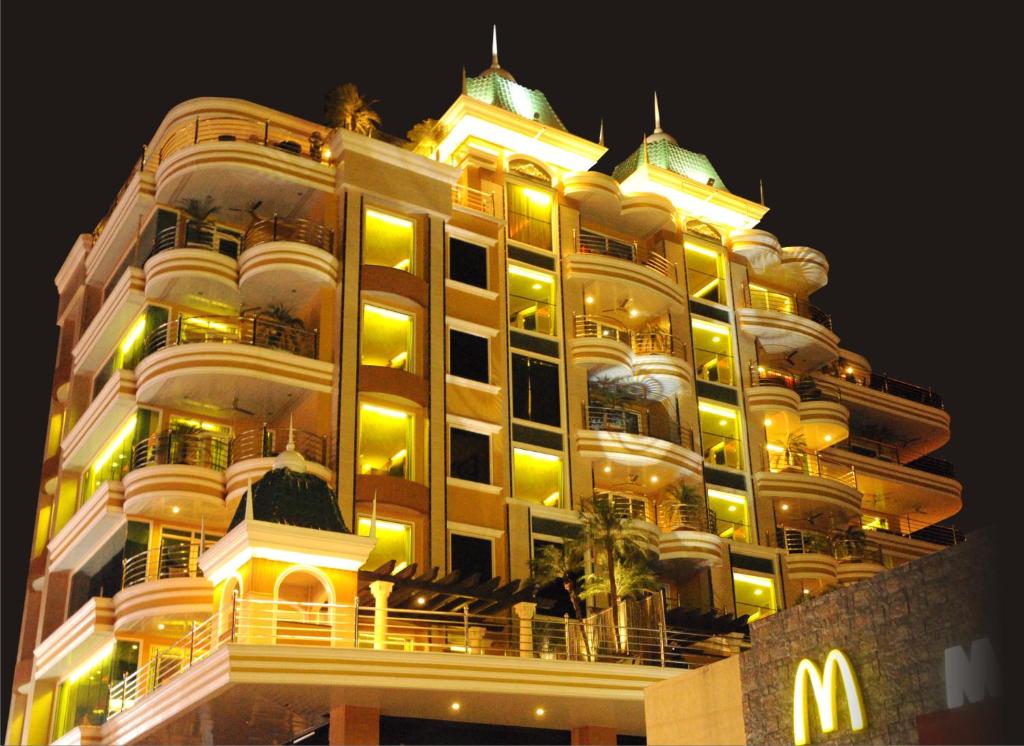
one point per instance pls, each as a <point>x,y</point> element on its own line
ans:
<point>652,280</point>
<point>600,199</point>
<point>602,346</point>
<point>809,557</point>
<point>252,452</point>
<point>178,475</point>
<point>760,248</point>
<point>800,405</point>
<point>194,264</point>
<point>230,363</point>
<point>809,487</point>
<point>283,259</point>
<point>663,449</point>
<point>689,535</point>
<point>161,585</point>
<point>858,560</point>
<point>790,328</point>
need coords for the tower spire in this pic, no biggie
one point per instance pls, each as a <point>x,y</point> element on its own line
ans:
<point>600,133</point>
<point>291,433</point>
<point>463,78</point>
<point>494,46</point>
<point>657,115</point>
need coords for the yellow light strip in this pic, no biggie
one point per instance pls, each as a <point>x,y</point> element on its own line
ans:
<point>94,661</point>
<point>398,415</point>
<point>727,497</point>
<point>537,197</point>
<point>701,250</point>
<point>133,335</point>
<point>536,455</point>
<point>716,410</point>
<point>399,358</point>
<point>514,269</point>
<point>709,327</point>
<point>125,432</point>
<point>706,289</point>
<point>752,579</point>
<point>400,455</point>
<point>393,219</point>
<point>386,313</point>
<point>384,525</point>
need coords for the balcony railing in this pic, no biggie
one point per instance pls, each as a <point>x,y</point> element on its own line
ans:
<point>192,234</point>
<point>659,342</point>
<point>550,639</point>
<point>890,452</point>
<point>676,516</point>
<point>247,330</point>
<point>806,387</point>
<point>204,449</point>
<point>594,327</point>
<point>473,199</point>
<point>631,506</point>
<point>780,459</point>
<point>650,342</point>
<point>881,382</point>
<point>267,441</point>
<point>786,304</point>
<point>239,129</point>
<point>912,528</point>
<point>170,560</point>
<point>637,422</point>
<point>843,548</point>
<point>286,229</point>
<point>593,243</point>
<point>853,550</point>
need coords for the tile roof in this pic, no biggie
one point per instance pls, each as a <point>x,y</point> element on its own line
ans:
<point>500,91</point>
<point>665,153</point>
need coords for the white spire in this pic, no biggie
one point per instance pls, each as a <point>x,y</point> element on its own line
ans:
<point>290,458</point>
<point>600,134</point>
<point>657,115</point>
<point>494,47</point>
<point>291,433</point>
<point>373,517</point>
<point>248,502</point>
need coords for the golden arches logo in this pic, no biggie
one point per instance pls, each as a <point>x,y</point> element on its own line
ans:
<point>824,689</point>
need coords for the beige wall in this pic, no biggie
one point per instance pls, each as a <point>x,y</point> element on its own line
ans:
<point>702,706</point>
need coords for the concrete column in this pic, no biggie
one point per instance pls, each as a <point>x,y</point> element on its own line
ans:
<point>525,610</point>
<point>380,589</point>
<point>593,735</point>
<point>36,728</point>
<point>354,725</point>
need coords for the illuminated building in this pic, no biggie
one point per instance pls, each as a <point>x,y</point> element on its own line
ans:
<point>461,348</point>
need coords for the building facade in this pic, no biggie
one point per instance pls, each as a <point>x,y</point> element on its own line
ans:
<point>462,344</point>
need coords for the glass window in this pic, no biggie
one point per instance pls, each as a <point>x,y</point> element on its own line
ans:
<point>712,351</point>
<point>386,338</point>
<point>529,215</point>
<point>469,455</point>
<point>115,460</point>
<point>720,434</point>
<point>131,348</point>
<point>537,477</point>
<point>394,542</point>
<point>755,595</point>
<point>732,519</point>
<point>531,300</point>
<point>472,555</point>
<point>535,395</point>
<point>389,241</point>
<point>385,437</point>
<point>468,356</point>
<point>705,274</point>
<point>467,262</point>
<point>83,698</point>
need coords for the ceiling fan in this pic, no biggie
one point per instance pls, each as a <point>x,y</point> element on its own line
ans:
<point>621,308</point>
<point>251,209</point>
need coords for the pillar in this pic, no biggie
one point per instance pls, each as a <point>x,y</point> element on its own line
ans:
<point>380,589</point>
<point>525,611</point>
<point>593,735</point>
<point>354,725</point>
<point>38,712</point>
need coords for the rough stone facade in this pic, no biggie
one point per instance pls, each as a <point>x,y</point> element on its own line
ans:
<point>894,628</point>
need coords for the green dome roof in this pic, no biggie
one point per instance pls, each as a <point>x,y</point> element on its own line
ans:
<point>496,87</point>
<point>294,499</point>
<point>664,152</point>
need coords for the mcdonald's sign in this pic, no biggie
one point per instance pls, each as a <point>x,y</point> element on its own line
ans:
<point>837,668</point>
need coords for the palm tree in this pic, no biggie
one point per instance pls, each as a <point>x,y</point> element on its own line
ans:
<point>345,107</point>
<point>689,498</point>
<point>561,563</point>
<point>635,574</point>
<point>616,544</point>
<point>426,136</point>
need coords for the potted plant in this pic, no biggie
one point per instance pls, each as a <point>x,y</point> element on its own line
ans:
<point>281,330</point>
<point>198,228</point>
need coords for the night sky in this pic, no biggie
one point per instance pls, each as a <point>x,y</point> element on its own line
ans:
<point>865,130</point>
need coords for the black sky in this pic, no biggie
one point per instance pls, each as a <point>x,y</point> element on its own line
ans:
<point>869,130</point>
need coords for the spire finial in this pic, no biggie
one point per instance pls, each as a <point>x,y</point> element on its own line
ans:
<point>657,115</point>
<point>291,433</point>
<point>494,46</point>
<point>761,184</point>
<point>600,133</point>
<point>248,502</point>
<point>463,78</point>
<point>643,149</point>
<point>373,517</point>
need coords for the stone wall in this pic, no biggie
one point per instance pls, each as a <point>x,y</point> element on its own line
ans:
<point>894,628</point>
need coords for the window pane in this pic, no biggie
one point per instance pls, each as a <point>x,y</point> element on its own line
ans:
<point>115,459</point>
<point>467,262</point>
<point>704,275</point>
<point>389,241</point>
<point>720,434</point>
<point>131,347</point>
<point>467,355</point>
<point>394,542</point>
<point>386,338</point>
<point>531,300</point>
<point>712,351</point>
<point>731,518</point>
<point>755,595</point>
<point>472,555</point>
<point>535,390</point>
<point>385,436</point>
<point>537,477</point>
<point>529,215</point>
<point>470,455</point>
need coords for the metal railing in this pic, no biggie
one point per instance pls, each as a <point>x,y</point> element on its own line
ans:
<point>890,452</point>
<point>594,327</point>
<point>843,548</point>
<point>237,129</point>
<point>856,550</point>
<point>650,342</point>
<point>473,199</point>
<point>912,528</point>
<point>812,464</point>
<point>785,304</point>
<point>199,448</point>
<point>593,243</point>
<point>631,506</point>
<point>247,330</point>
<point>170,560</point>
<point>289,229</point>
<point>636,422</point>
<point>659,342</point>
<point>263,442</point>
<point>881,382</point>
<point>805,386</point>
<point>192,234</point>
<point>676,516</point>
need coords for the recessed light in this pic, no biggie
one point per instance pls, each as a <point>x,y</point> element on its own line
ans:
<point>535,286</point>
<point>758,591</point>
<point>716,339</point>
<point>654,479</point>
<point>456,706</point>
<point>785,507</point>
<point>849,369</point>
<point>806,591</point>
<point>732,508</point>
<point>633,313</point>
<point>767,422</point>
<point>539,712</point>
<point>421,600</point>
<point>828,438</point>
<point>590,299</point>
<point>160,626</point>
<point>175,509</point>
<point>723,423</point>
<point>608,469</point>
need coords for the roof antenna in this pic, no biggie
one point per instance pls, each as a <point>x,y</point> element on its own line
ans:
<point>463,78</point>
<point>657,115</point>
<point>494,47</point>
<point>600,133</point>
<point>761,184</point>
<point>291,433</point>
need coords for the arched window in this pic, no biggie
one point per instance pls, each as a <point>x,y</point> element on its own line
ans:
<point>304,607</point>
